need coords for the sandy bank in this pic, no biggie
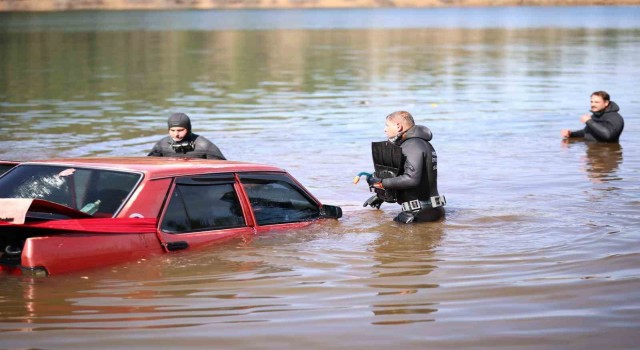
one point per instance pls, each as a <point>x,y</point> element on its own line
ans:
<point>64,5</point>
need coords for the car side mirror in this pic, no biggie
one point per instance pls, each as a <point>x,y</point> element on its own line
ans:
<point>330,211</point>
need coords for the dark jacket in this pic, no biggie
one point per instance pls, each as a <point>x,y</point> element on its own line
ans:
<point>605,126</point>
<point>192,146</point>
<point>418,179</point>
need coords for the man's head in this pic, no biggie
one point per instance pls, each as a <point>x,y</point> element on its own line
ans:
<point>179,126</point>
<point>599,101</point>
<point>398,123</point>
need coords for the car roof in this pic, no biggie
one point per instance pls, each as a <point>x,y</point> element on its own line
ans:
<point>160,167</point>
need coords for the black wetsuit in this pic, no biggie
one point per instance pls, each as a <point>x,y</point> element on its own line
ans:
<point>605,126</point>
<point>192,146</point>
<point>419,177</point>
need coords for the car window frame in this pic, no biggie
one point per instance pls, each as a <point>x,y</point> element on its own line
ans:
<point>279,176</point>
<point>204,180</point>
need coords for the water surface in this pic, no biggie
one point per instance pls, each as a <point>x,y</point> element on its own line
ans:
<point>540,246</point>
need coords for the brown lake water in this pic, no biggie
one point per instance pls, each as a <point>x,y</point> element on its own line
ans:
<point>540,248</point>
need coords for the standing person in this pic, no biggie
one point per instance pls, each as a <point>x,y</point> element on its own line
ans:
<point>406,171</point>
<point>604,124</point>
<point>182,143</point>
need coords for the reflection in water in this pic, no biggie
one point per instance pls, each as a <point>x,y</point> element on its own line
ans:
<point>602,160</point>
<point>169,292</point>
<point>405,255</point>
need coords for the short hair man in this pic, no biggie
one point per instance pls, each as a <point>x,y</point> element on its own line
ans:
<point>604,124</point>
<point>183,143</point>
<point>406,170</point>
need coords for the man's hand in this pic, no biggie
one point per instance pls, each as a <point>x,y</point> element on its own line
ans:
<point>374,181</point>
<point>566,133</point>
<point>373,202</point>
<point>585,118</point>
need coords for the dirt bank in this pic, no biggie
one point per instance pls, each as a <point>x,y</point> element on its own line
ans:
<point>63,5</point>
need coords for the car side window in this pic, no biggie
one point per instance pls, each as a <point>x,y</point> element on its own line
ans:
<point>202,207</point>
<point>110,188</point>
<point>276,199</point>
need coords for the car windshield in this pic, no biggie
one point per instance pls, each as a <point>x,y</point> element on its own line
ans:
<point>94,191</point>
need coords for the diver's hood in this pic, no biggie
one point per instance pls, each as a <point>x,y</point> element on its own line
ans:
<point>611,108</point>
<point>418,131</point>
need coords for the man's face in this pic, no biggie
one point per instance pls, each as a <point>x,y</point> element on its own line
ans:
<point>178,133</point>
<point>392,128</point>
<point>598,104</point>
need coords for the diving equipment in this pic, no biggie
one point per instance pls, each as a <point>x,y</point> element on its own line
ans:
<point>183,146</point>
<point>388,162</point>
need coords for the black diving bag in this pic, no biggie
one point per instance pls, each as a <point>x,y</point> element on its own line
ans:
<point>388,162</point>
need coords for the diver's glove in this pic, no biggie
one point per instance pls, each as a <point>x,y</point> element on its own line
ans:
<point>374,181</point>
<point>371,180</point>
<point>374,201</point>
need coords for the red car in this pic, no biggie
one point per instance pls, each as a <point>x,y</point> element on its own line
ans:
<point>64,215</point>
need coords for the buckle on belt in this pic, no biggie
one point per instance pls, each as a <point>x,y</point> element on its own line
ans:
<point>438,201</point>
<point>416,204</point>
<point>412,205</point>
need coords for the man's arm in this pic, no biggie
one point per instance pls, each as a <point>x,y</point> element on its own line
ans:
<point>577,133</point>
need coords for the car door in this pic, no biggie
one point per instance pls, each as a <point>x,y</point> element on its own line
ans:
<point>203,209</point>
<point>278,201</point>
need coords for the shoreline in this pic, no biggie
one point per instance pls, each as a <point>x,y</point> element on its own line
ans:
<point>118,5</point>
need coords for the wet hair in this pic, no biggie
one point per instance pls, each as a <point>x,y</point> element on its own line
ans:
<point>179,120</point>
<point>406,117</point>
<point>603,94</point>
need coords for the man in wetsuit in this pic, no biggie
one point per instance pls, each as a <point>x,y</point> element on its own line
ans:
<point>414,183</point>
<point>604,124</point>
<point>182,143</point>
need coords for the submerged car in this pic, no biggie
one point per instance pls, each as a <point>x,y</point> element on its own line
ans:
<point>64,215</point>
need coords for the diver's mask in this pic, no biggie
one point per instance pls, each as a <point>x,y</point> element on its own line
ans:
<point>183,146</point>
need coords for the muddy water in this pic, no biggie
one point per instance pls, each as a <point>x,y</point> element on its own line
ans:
<point>540,246</point>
